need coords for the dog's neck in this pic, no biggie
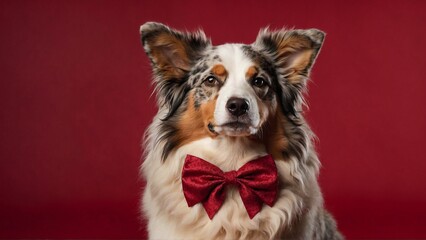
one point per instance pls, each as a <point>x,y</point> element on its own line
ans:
<point>230,153</point>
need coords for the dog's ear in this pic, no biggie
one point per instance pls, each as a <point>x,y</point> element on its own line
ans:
<point>172,54</point>
<point>293,52</point>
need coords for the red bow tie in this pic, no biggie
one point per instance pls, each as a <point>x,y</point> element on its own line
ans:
<point>205,183</point>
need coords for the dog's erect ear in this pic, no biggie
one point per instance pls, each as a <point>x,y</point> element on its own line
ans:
<point>172,53</point>
<point>293,52</point>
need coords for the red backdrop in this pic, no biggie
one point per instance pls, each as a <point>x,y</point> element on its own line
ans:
<point>75,87</point>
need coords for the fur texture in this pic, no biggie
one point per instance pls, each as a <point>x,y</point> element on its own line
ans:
<point>195,83</point>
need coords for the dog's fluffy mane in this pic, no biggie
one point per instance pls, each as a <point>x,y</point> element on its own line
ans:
<point>178,59</point>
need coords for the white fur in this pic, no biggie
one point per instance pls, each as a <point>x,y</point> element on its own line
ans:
<point>236,85</point>
<point>170,216</point>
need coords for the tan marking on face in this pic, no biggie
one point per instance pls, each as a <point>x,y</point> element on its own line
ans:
<point>220,71</point>
<point>193,124</point>
<point>262,114</point>
<point>252,71</point>
<point>207,112</point>
<point>274,136</point>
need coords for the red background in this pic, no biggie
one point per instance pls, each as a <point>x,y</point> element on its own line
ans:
<point>75,87</point>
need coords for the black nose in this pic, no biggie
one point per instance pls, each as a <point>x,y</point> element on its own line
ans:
<point>237,106</point>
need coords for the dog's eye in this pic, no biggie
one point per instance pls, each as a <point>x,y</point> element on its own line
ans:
<point>211,81</point>
<point>259,82</point>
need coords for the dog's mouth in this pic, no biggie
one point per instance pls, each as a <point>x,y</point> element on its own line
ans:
<point>236,129</point>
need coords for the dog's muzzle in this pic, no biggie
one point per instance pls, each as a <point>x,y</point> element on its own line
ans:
<point>238,121</point>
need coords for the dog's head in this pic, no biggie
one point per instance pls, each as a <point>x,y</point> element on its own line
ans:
<point>231,89</point>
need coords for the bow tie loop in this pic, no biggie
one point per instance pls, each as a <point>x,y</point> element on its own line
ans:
<point>203,182</point>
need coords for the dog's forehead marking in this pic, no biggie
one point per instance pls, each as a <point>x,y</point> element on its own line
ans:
<point>235,61</point>
<point>219,70</point>
<point>251,72</point>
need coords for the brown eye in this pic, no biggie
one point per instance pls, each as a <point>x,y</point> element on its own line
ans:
<point>259,82</point>
<point>211,81</point>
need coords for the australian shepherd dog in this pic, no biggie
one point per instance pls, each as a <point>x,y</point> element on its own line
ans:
<point>232,110</point>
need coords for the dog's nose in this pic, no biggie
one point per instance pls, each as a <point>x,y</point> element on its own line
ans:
<point>237,106</point>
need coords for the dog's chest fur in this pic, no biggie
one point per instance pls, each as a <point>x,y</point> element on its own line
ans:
<point>164,197</point>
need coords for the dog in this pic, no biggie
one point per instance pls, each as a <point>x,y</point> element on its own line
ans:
<point>227,112</point>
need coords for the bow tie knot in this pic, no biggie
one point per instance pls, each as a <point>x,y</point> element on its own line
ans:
<point>231,177</point>
<point>203,182</point>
